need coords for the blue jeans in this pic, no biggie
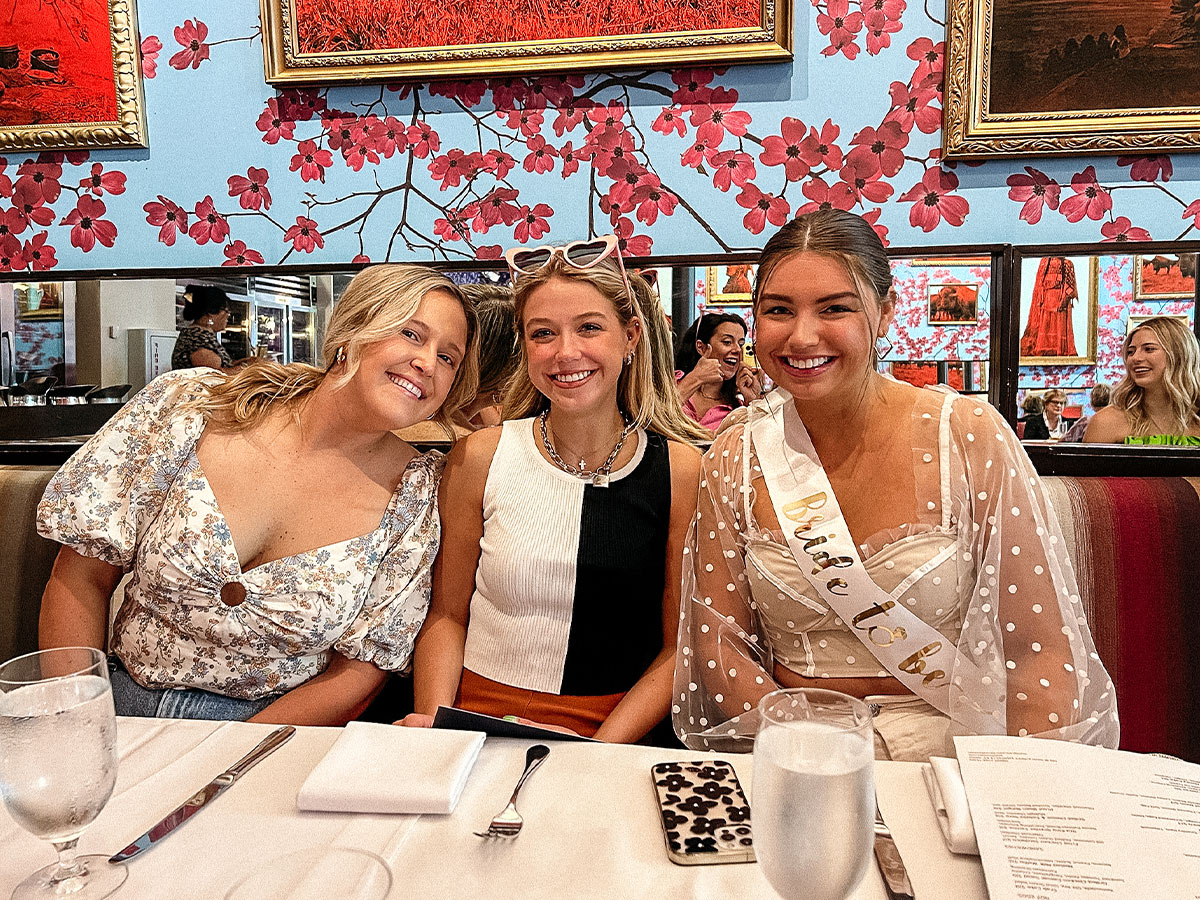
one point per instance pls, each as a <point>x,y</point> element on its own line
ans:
<point>131,699</point>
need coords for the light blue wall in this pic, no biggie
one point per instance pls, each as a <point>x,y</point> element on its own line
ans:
<point>202,131</point>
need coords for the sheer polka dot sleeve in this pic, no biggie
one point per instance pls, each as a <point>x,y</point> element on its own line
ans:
<point>1038,672</point>
<point>722,666</point>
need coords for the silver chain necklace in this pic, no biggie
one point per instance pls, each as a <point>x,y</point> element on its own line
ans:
<point>598,475</point>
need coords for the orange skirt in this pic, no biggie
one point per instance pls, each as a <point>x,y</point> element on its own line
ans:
<point>582,714</point>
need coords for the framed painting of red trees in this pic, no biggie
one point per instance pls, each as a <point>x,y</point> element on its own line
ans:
<point>70,76</point>
<point>1040,77</point>
<point>322,41</point>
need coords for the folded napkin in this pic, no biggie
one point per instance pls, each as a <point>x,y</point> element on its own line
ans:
<point>374,768</point>
<point>945,784</point>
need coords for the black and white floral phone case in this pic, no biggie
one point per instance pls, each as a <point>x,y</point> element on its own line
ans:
<point>705,816</point>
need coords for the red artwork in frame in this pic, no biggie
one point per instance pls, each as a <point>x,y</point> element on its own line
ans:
<point>69,75</point>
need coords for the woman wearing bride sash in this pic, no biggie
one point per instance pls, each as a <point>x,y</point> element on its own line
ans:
<point>935,581</point>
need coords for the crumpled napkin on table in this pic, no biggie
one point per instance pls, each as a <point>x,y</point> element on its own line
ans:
<point>375,768</point>
<point>944,781</point>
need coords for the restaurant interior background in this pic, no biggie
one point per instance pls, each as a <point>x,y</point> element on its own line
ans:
<point>277,194</point>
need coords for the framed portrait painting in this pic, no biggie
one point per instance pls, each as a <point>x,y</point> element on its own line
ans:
<point>1134,321</point>
<point>1040,77</point>
<point>1164,276</point>
<point>729,285</point>
<point>953,304</point>
<point>322,41</point>
<point>71,76</point>
<point>1058,309</point>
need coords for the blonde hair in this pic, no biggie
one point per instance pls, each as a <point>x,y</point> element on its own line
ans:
<point>376,303</point>
<point>1181,379</point>
<point>652,406</point>
<point>841,236</point>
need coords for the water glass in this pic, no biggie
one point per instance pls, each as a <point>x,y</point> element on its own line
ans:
<point>58,763</point>
<point>814,793</point>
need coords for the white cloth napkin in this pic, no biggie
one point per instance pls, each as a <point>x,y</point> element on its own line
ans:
<point>945,784</point>
<point>374,768</point>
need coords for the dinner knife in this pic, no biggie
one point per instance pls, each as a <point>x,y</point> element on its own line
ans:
<point>207,794</point>
<point>891,866</point>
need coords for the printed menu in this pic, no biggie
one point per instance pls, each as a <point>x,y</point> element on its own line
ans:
<point>1057,820</point>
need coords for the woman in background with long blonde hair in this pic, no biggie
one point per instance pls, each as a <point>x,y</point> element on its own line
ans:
<point>1158,400</point>
<point>280,536</point>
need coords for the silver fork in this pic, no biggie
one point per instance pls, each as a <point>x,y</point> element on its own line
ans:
<point>508,822</point>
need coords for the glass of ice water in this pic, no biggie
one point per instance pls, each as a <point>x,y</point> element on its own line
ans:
<point>813,797</point>
<point>58,763</point>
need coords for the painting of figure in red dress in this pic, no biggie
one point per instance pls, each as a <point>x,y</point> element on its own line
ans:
<point>336,26</point>
<point>1057,306</point>
<point>56,63</point>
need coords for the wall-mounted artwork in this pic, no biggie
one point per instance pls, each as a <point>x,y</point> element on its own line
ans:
<point>1039,77</point>
<point>729,285</point>
<point>1058,309</point>
<point>1134,321</point>
<point>70,75</point>
<point>953,304</point>
<point>944,262</point>
<point>1164,276</point>
<point>321,41</point>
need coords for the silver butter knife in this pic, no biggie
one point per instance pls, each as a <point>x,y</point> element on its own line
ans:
<point>891,866</point>
<point>207,794</point>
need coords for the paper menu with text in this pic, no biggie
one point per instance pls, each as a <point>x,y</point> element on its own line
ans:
<point>1062,821</point>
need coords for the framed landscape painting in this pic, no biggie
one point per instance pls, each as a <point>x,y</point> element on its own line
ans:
<point>70,76</point>
<point>1059,296</point>
<point>1040,77</point>
<point>321,41</point>
<point>1165,276</point>
<point>953,304</point>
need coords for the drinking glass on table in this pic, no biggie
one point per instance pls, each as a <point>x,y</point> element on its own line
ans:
<point>58,763</point>
<point>813,799</point>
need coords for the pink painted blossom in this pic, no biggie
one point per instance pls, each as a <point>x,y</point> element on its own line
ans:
<point>914,106</point>
<point>819,148</point>
<point>1193,212</point>
<point>304,235</point>
<point>787,149</point>
<point>390,137</point>
<point>716,118</point>
<point>101,182</point>
<point>871,217</point>
<point>451,227</point>
<point>6,185</point>
<point>274,124</point>
<point>150,47</point>
<point>930,58</point>
<point>732,167</point>
<point>251,190</point>
<point>190,35</point>
<point>498,163</point>
<point>423,140</point>
<point>932,200</point>
<point>1090,199</point>
<point>44,173</point>
<point>311,161</point>
<point>38,254</point>
<point>87,226</point>
<point>12,223</point>
<point>879,31</point>
<point>881,148</point>
<point>691,85</point>
<point>531,222</point>
<point>28,201</point>
<point>841,26</point>
<point>469,93</point>
<point>302,104</point>
<point>1148,168</point>
<point>450,168</point>
<point>763,208</point>
<point>670,121</point>
<point>570,157</point>
<point>651,198</point>
<point>210,225</point>
<point>238,254</point>
<point>170,218</point>
<point>541,155</point>
<point>822,196</point>
<point>1121,229</point>
<point>862,178</point>
<point>629,243</point>
<point>489,251</point>
<point>1034,190</point>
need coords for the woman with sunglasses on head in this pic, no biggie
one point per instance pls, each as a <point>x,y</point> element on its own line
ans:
<point>279,536</point>
<point>556,590</point>
<point>860,534</point>
<point>1158,400</point>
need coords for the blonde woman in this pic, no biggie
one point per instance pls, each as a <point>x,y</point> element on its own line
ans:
<point>280,537</point>
<point>556,591</point>
<point>1158,400</point>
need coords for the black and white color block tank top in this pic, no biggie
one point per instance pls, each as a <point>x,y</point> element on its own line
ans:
<point>568,593</point>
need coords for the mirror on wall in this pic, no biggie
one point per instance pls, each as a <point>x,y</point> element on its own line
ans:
<point>1075,312</point>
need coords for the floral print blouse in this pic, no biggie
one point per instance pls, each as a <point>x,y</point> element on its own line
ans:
<point>135,497</point>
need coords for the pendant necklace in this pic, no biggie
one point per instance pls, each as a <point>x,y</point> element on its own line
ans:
<point>599,476</point>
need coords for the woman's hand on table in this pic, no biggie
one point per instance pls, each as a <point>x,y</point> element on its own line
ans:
<point>415,720</point>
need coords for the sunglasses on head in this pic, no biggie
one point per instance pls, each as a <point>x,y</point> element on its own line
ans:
<point>582,255</point>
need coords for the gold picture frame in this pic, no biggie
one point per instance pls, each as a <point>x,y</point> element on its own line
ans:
<point>38,66</point>
<point>285,63</point>
<point>729,285</point>
<point>1009,92</point>
<point>1162,276</point>
<point>1037,345</point>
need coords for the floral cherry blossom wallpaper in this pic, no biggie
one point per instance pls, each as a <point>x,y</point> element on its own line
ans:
<point>699,161</point>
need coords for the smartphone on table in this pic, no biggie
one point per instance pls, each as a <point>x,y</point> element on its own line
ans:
<point>704,813</point>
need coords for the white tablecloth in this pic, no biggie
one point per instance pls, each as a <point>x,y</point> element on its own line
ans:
<point>592,826</point>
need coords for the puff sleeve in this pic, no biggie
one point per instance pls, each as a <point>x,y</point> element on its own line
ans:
<point>723,663</point>
<point>1038,671</point>
<point>397,598</point>
<point>105,496</point>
